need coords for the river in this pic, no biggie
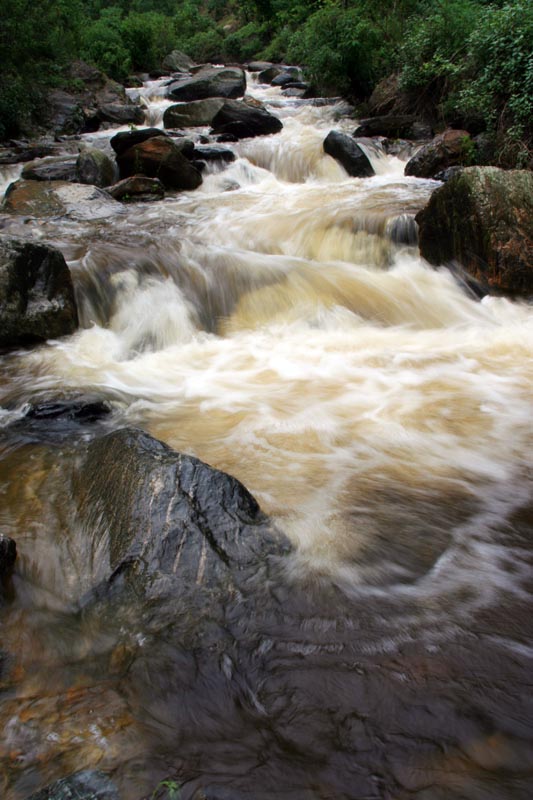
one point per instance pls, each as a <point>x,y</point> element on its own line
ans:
<point>279,324</point>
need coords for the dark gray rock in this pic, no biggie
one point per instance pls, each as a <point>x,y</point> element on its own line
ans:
<point>54,168</point>
<point>125,139</point>
<point>448,149</point>
<point>229,82</point>
<point>121,113</point>
<point>243,120</point>
<point>483,218</point>
<point>36,293</point>
<point>66,113</point>
<point>197,112</point>
<point>137,188</point>
<point>267,75</point>
<point>94,167</point>
<point>214,154</point>
<point>175,523</point>
<point>161,157</point>
<point>86,785</point>
<point>348,153</point>
<point>259,66</point>
<point>176,61</point>
<point>395,126</point>
<point>79,410</point>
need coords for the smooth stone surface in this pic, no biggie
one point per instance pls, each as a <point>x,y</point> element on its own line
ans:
<point>348,153</point>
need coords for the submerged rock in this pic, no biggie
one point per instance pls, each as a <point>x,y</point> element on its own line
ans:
<point>137,188</point>
<point>447,149</point>
<point>36,293</point>
<point>86,785</point>
<point>58,198</point>
<point>161,157</point>
<point>121,113</point>
<point>175,524</point>
<point>348,153</point>
<point>243,121</point>
<point>483,218</point>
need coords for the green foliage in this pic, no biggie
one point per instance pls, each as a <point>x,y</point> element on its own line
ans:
<point>246,42</point>
<point>433,52</point>
<point>341,49</point>
<point>103,44</point>
<point>499,73</point>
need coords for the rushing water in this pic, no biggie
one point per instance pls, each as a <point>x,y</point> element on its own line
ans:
<point>279,324</point>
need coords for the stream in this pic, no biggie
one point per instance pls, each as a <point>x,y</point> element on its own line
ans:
<point>279,324</point>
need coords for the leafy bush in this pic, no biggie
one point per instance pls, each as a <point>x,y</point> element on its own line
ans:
<point>341,50</point>
<point>103,44</point>
<point>499,75</point>
<point>148,38</point>
<point>246,42</point>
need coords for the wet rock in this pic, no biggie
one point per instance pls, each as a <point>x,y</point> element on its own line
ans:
<point>445,174</point>
<point>483,218</point>
<point>20,151</point>
<point>348,153</point>
<point>243,120</point>
<point>33,198</point>
<point>86,785</point>
<point>121,113</point>
<point>189,115</point>
<point>403,230</point>
<point>79,410</point>
<point>36,293</point>
<point>448,149</point>
<point>56,168</point>
<point>205,529</point>
<point>94,167</point>
<point>214,154</point>
<point>229,82</point>
<point>176,61</point>
<point>137,188</point>
<point>97,99</point>
<point>66,113</point>
<point>8,556</point>
<point>160,157</point>
<point>386,98</point>
<point>125,139</point>
<point>395,126</point>
<point>267,75</point>
<point>259,66</point>
<point>57,198</point>
<point>289,75</point>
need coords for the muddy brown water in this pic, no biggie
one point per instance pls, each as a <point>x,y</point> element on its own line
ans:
<point>272,324</point>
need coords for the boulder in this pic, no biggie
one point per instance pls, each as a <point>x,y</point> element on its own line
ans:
<point>137,188</point>
<point>348,153</point>
<point>447,149</point>
<point>386,97</point>
<point>58,198</point>
<point>259,66</point>
<point>229,82</point>
<point>283,79</point>
<point>36,293</point>
<point>53,168</point>
<point>267,75</point>
<point>395,126</point>
<point>86,785</point>
<point>95,168</point>
<point>175,524</point>
<point>22,151</point>
<point>176,61</point>
<point>160,157</point>
<point>121,113</point>
<point>66,114</point>
<point>125,139</point>
<point>190,115</point>
<point>243,120</point>
<point>483,218</point>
